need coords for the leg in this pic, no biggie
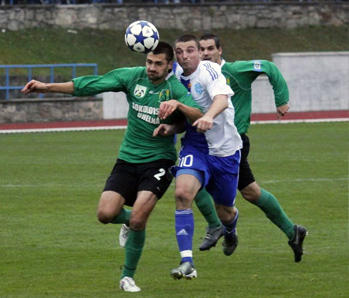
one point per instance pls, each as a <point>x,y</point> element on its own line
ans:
<point>141,210</point>
<point>110,210</point>
<point>186,187</point>
<point>251,192</point>
<point>229,217</point>
<point>268,203</point>
<point>223,188</point>
<point>110,206</point>
<point>204,203</point>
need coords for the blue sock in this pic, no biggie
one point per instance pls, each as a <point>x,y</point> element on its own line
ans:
<point>229,228</point>
<point>184,224</point>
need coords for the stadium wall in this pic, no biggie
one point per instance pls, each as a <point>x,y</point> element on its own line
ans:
<point>317,81</point>
<point>203,16</point>
<point>51,109</point>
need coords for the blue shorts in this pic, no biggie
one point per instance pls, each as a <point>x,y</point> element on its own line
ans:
<point>219,175</point>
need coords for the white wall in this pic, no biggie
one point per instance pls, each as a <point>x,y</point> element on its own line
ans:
<point>115,105</point>
<point>316,81</point>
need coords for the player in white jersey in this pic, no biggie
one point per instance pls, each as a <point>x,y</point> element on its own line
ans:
<point>205,83</point>
<point>210,153</point>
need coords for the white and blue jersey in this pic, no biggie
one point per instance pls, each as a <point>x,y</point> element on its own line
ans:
<point>214,156</point>
<point>204,84</point>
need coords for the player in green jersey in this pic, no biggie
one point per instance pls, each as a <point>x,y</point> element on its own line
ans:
<point>240,75</point>
<point>141,175</point>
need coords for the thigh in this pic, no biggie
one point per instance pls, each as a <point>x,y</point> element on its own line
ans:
<point>155,177</point>
<point>142,208</point>
<point>187,186</point>
<point>124,181</point>
<point>225,175</point>
<point>245,174</point>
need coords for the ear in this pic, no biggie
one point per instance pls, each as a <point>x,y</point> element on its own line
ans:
<point>170,66</point>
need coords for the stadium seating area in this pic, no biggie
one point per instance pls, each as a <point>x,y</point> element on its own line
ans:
<point>75,2</point>
<point>21,2</point>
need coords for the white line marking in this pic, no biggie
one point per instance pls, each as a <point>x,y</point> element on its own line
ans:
<point>59,129</point>
<point>305,180</point>
<point>300,121</point>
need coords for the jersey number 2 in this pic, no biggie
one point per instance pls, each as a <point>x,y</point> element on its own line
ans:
<point>161,173</point>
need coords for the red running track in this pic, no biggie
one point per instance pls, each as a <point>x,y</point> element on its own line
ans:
<point>342,114</point>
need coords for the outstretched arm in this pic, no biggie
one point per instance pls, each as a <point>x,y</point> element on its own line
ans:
<point>39,87</point>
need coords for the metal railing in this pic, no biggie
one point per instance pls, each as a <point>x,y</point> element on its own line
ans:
<point>51,67</point>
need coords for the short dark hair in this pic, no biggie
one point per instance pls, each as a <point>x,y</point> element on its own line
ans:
<point>188,37</point>
<point>164,48</point>
<point>208,35</point>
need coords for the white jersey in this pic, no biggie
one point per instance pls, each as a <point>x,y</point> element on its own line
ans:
<point>204,84</point>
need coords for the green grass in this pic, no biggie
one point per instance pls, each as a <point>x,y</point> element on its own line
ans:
<point>107,47</point>
<point>52,245</point>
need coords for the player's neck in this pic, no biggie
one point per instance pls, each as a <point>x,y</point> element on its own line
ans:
<point>188,71</point>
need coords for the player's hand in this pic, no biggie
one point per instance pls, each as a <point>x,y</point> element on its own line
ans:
<point>203,124</point>
<point>34,86</point>
<point>282,110</point>
<point>164,130</point>
<point>167,108</point>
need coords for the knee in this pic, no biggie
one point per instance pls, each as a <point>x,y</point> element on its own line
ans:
<point>110,205</point>
<point>251,193</point>
<point>137,224</point>
<point>183,196</point>
<point>104,217</point>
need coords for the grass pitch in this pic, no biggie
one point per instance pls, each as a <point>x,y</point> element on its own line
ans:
<point>52,245</point>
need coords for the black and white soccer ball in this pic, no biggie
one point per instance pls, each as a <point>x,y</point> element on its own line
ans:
<point>142,37</point>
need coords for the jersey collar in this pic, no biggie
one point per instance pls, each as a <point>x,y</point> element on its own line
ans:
<point>222,62</point>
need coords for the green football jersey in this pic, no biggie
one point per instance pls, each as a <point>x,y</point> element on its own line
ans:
<point>240,75</point>
<point>144,100</point>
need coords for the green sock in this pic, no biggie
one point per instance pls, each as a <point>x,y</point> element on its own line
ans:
<point>272,209</point>
<point>133,251</point>
<point>205,205</point>
<point>123,217</point>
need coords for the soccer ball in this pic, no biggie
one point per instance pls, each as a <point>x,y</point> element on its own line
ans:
<point>142,37</point>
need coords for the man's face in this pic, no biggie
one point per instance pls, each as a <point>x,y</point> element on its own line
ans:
<point>157,67</point>
<point>188,56</point>
<point>209,51</point>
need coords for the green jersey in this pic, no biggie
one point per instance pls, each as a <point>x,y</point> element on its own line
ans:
<point>144,100</point>
<point>240,76</point>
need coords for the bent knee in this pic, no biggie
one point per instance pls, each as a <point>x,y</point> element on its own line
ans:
<point>104,217</point>
<point>183,199</point>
